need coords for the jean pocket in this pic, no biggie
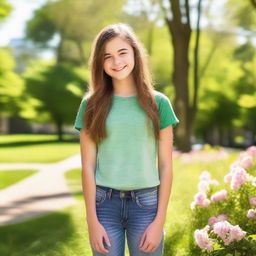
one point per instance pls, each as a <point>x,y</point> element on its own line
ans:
<point>147,200</point>
<point>100,196</point>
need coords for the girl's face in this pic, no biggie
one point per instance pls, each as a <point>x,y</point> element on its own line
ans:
<point>118,59</point>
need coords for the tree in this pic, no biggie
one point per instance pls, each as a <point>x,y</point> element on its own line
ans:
<point>59,88</point>
<point>74,22</point>
<point>11,85</point>
<point>177,19</point>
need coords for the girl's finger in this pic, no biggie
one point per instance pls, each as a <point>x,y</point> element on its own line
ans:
<point>149,249</point>
<point>145,246</point>
<point>102,248</point>
<point>106,239</point>
<point>97,248</point>
<point>142,240</point>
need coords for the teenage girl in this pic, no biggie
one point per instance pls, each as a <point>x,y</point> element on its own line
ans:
<point>126,148</point>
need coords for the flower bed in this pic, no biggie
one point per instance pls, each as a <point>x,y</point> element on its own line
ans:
<point>224,220</point>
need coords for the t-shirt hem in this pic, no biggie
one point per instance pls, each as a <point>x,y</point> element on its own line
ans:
<point>129,188</point>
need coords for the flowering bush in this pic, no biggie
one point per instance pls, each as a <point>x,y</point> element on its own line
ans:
<point>224,220</point>
<point>207,154</point>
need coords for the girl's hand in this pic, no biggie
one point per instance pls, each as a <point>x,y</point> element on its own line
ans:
<point>151,237</point>
<point>97,236</point>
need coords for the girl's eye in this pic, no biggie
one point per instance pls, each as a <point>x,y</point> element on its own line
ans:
<point>123,52</point>
<point>107,57</point>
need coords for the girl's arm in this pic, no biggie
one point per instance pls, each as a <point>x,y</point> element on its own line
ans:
<point>88,158</point>
<point>97,233</point>
<point>152,236</point>
<point>165,171</point>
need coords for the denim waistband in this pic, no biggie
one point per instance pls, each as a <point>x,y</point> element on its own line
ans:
<point>127,193</point>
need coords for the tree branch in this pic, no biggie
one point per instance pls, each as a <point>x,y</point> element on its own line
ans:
<point>253,2</point>
<point>175,6</point>
<point>196,57</point>
<point>187,12</point>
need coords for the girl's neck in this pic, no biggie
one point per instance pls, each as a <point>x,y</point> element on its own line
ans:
<point>125,87</point>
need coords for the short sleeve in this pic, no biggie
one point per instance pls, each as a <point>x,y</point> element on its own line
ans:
<point>80,114</point>
<point>167,115</point>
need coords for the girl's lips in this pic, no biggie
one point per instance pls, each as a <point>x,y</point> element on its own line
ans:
<point>117,70</point>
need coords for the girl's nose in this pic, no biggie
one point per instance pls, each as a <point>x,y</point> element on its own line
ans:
<point>116,60</point>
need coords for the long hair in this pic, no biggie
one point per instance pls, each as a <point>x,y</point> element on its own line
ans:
<point>99,96</point>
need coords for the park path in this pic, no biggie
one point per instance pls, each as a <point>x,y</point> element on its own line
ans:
<point>39,194</point>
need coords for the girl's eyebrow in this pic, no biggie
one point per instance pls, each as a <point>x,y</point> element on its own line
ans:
<point>117,51</point>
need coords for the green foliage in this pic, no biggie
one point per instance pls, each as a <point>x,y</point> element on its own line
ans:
<point>75,22</point>
<point>41,27</point>
<point>161,62</point>
<point>227,72</point>
<point>242,13</point>
<point>11,85</point>
<point>58,87</point>
<point>245,86</point>
<point>5,9</point>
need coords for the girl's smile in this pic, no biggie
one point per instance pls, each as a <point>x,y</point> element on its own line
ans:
<point>119,69</point>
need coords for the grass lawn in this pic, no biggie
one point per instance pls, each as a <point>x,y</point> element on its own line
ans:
<point>27,148</point>
<point>64,233</point>
<point>10,177</point>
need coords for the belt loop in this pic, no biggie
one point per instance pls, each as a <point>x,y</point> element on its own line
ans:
<point>109,193</point>
<point>133,195</point>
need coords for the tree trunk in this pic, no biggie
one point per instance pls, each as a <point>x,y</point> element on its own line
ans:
<point>180,39</point>
<point>59,131</point>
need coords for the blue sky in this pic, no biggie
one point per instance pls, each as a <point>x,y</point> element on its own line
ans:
<point>14,25</point>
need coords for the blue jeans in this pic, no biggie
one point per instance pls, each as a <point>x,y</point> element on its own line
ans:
<point>126,213</point>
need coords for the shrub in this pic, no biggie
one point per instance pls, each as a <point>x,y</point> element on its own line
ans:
<point>224,220</point>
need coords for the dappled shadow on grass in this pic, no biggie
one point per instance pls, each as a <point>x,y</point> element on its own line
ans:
<point>39,142</point>
<point>37,236</point>
<point>172,241</point>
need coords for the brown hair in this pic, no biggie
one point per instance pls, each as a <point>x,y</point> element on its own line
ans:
<point>99,96</point>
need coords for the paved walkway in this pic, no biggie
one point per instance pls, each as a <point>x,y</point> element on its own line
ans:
<point>39,194</point>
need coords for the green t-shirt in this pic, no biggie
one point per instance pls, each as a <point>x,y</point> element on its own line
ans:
<point>127,159</point>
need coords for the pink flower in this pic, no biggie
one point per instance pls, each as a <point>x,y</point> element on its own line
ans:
<point>203,185</point>
<point>202,239</point>
<point>227,232</point>
<point>246,161</point>
<point>214,219</point>
<point>234,165</point>
<point>251,214</point>
<point>222,217</point>
<point>200,199</point>
<point>252,151</point>
<point>214,182</point>
<point>221,195</point>
<point>205,203</point>
<point>221,228</point>
<point>206,181</point>
<point>235,233</point>
<point>228,178</point>
<point>252,200</point>
<point>239,177</point>
<point>205,175</point>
